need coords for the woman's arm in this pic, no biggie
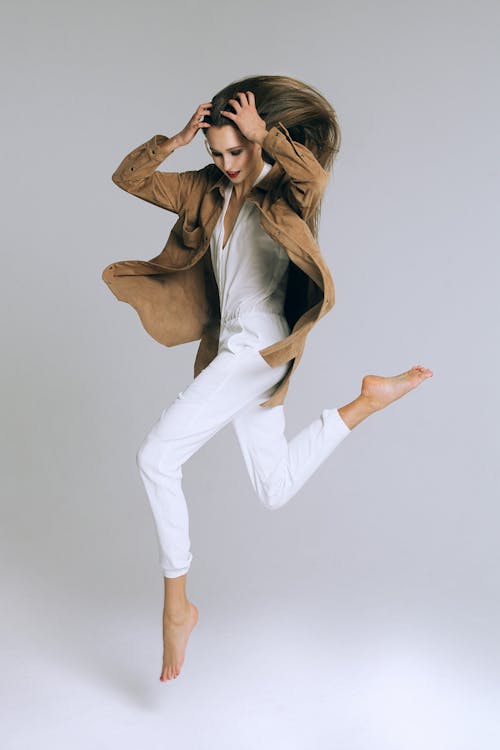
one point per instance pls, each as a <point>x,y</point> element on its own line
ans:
<point>308,179</point>
<point>137,174</point>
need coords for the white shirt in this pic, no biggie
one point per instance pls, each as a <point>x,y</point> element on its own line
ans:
<point>251,270</point>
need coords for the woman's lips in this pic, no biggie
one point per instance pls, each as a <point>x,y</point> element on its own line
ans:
<point>233,174</point>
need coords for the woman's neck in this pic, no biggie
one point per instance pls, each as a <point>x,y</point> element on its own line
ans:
<point>242,189</point>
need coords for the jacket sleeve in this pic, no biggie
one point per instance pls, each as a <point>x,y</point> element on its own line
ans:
<point>137,174</point>
<point>308,178</point>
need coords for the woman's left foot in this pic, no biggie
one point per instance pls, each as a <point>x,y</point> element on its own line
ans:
<point>176,632</point>
<point>380,391</point>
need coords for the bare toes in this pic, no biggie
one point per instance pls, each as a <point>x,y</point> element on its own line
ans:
<point>420,370</point>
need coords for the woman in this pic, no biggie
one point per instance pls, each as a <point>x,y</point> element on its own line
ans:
<point>242,272</point>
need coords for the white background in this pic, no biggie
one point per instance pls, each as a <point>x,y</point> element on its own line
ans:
<point>365,614</point>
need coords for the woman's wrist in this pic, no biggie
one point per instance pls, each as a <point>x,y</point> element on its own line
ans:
<point>261,136</point>
<point>176,141</point>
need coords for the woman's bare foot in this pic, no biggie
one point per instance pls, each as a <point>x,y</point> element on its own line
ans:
<point>176,631</point>
<point>377,392</point>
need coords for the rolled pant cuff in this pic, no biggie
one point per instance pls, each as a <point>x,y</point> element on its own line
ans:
<point>346,428</point>
<point>175,573</point>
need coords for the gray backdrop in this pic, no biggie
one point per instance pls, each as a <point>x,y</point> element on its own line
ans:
<point>364,615</point>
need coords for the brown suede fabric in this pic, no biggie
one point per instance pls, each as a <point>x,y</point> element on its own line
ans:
<point>175,293</point>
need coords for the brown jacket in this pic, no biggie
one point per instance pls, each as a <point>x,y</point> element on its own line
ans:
<point>175,293</point>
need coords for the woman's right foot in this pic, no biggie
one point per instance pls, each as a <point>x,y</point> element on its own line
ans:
<point>176,632</point>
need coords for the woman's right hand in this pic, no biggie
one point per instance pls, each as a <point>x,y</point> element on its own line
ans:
<point>187,134</point>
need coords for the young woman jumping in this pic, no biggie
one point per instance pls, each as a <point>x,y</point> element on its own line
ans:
<point>242,273</point>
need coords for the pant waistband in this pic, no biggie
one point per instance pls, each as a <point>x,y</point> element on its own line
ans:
<point>251,314</point>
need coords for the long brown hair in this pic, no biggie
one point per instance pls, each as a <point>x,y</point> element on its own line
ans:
<point>302,109</point>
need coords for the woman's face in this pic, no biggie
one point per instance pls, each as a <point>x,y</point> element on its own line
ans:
<point>233,154</point>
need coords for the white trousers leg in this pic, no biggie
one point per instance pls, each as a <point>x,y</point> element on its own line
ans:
<point>278,467</point>
<point>230,389</point>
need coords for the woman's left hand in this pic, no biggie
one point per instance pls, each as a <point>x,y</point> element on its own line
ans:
<point>248,120</point>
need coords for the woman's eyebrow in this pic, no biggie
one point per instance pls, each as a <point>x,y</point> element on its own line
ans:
<point>227,149</point>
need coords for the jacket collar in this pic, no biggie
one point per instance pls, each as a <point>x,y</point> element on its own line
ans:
<point>263,184</point>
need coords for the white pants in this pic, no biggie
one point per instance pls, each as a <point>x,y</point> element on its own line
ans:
<point>231,389</point>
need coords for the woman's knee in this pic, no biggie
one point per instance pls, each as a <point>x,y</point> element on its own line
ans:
<point>158,457</point>
<point>150,451</point>
<point>272,498</point>
<point>144,453</point>
<point>271,503</point>
<point>273,489</point>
